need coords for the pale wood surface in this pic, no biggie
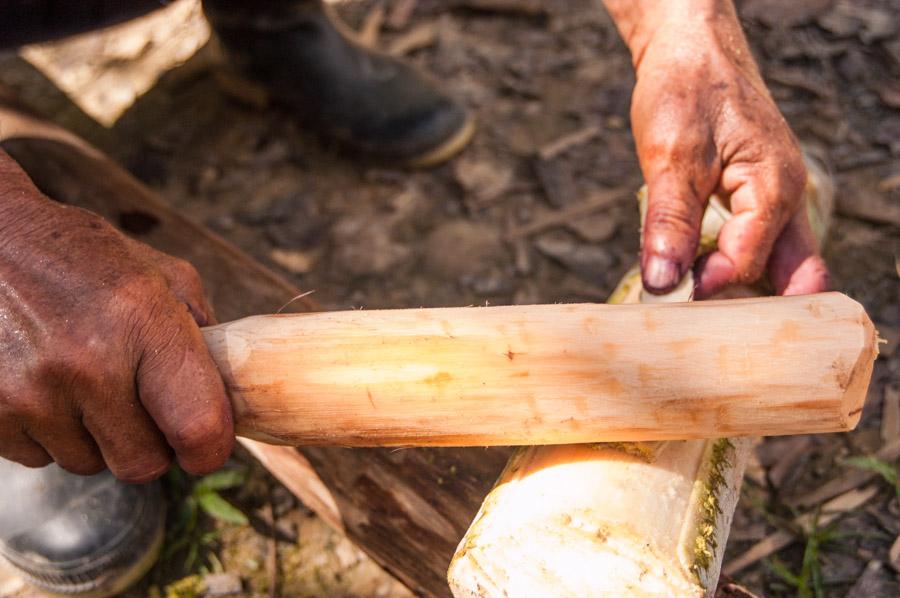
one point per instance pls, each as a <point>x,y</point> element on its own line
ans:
<point>647,519</point>
<point>549,374</point>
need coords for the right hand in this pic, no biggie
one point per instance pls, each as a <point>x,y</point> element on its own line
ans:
<point>102,363</point>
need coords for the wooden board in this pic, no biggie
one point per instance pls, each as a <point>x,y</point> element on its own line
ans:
<point>407,509</point>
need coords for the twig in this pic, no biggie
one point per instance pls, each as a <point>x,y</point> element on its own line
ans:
<point>300,296</point>
<point>890,414</point>
<point>370,30</point>
<point>595,202</point>
<point>831,511</point>
<point>528,8</point>
<point>272,550</point>
<point>417,38</point>
<point>568,141</point>
<point>847,481</point>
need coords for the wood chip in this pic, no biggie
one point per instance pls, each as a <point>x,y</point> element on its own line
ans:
<point>419,37</point>
<point>870,583</point>
<point>831,511</point>
<point>296,262</point>
<point>890,414</point>
<point>894,555</point>
<point>733,590</point>
<point>889,183</point>
<point>597,201</point>
<point>568,141</point>
<point>222,584</point>
<point>370,30</point>
<point>850,479</point>
<point>890,337</point>
<point>596,228</point>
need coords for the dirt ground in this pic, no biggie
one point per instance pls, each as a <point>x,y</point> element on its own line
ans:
<point>491,227</point>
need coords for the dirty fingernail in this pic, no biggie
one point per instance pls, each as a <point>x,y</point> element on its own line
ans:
<point>660,274</point>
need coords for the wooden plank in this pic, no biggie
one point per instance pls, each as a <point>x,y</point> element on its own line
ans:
<point>386,500</point>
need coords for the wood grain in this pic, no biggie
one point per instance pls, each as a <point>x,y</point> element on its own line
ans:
<point>549,374</point>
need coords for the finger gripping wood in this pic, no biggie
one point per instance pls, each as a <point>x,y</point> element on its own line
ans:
<point>549,374</point>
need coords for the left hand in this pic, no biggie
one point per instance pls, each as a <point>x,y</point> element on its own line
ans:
<point>705,123</point>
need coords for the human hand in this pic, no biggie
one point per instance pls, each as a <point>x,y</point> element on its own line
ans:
<point>102,362</point>
<point>704,123</point>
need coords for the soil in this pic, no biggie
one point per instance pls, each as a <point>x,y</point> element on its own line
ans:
<point>365,235</point>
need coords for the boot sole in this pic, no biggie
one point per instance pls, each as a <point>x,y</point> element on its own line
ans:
<point>124,579</point>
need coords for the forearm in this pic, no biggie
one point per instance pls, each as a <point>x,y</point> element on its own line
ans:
<point>682,26</point>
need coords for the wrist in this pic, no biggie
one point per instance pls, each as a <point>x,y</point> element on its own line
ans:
<point>678,29</point>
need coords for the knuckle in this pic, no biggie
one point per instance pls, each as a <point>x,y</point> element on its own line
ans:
<point>185,270</point>
<point>751,268</point>
<point>203,431</point>
<point>141,471</point>
<point>132,290</point>
<point>667,217</point>
<point>31,408</point>
<point>31,459</point>
<point>83,464</point>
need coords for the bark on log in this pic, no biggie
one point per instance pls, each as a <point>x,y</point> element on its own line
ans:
<point>549,374</point>
<point>622,519</point>
<point>407,509</point>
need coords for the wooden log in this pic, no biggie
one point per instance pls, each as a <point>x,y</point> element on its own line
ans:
<point>549,374</point>
<point>406,509</point>
<point>621,519</point>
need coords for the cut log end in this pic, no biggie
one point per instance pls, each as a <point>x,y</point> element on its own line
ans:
<point>855,381</point>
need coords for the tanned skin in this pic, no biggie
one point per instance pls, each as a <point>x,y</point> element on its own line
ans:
<point>102,363</point>
<point>101,358</point>
<point>704,123</point>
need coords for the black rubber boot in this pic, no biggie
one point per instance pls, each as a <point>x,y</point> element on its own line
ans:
<point>32,21</point>
<point>85,536</point>
<point>372,103</point>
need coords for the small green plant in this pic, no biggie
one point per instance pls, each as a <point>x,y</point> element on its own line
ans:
<point>808,582</point>
<point>886,470</point>
<point>188,534</point>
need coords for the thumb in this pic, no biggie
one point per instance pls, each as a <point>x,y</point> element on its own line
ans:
<point>671,231</point>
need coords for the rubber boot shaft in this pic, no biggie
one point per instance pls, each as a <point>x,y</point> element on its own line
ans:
<point>32,21</point>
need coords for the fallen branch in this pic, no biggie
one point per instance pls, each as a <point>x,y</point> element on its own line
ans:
<point>597,201</point>
<point>847,481</point>
<point>567,142</point>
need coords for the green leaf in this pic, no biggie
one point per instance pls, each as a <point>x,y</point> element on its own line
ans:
<point>221,480</point>
<point>883,468</point>
<point>781,570</point>
<point>218,508</point>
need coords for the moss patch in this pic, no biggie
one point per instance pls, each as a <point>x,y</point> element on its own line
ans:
<point>705,543</point>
